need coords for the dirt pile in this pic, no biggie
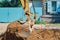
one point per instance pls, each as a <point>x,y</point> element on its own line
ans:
<point>41,34</point>
<point>37,34</point>
<point>44,34</point>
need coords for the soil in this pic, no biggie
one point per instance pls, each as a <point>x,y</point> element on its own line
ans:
<point>44,34</point>
<point>39,34</point>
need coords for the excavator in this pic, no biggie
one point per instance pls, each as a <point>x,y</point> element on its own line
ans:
<point>22,29</point>
<point>25,5</point>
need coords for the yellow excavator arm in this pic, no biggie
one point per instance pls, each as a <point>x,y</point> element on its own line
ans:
<point>25,5</point>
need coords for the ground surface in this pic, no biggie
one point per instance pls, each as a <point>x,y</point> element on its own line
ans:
<point>44,34</point>
<point>3,27</point>
<point>39,34</point>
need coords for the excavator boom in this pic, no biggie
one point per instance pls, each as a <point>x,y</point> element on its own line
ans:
<point>25,5</point>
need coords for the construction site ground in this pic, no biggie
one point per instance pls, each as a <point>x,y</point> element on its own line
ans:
<point>43,32</point>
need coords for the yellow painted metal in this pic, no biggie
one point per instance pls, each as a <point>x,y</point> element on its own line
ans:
<point>25,5</point>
